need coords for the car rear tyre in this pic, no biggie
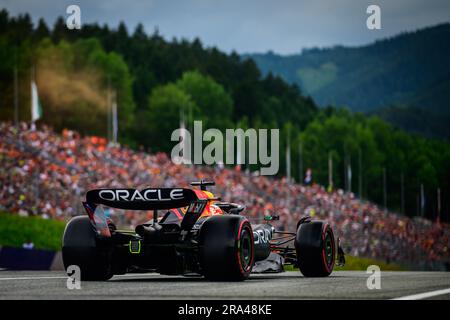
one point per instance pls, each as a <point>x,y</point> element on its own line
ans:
<point>315,248</point>
<point>81,248</point>
<point>226,248</point>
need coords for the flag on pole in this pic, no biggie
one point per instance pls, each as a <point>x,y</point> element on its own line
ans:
<point>349,177</point>
<point>422,200</point>
<point>288,161</point>
<point>115,124</point>
<point>36,108</point>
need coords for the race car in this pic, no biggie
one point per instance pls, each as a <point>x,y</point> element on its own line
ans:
<point>197,234</point>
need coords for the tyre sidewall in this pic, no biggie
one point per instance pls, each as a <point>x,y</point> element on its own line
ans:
<point>310,248</point>
<point>81,248</point>
<point>220,242</point>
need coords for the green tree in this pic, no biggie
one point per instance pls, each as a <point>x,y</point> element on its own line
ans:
<point>211,98</point>
<point>166,104</point>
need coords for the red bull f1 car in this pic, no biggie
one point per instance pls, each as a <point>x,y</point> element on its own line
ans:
<point>197,234</point>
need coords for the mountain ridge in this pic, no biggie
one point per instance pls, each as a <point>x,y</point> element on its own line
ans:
<point>410,69</point>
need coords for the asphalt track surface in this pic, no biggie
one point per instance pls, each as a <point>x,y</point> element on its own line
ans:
<point>287,285</point>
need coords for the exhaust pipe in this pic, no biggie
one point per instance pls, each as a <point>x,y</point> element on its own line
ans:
<point>147,231</point>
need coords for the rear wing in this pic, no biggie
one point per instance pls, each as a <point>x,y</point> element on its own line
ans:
<point>146,199</point>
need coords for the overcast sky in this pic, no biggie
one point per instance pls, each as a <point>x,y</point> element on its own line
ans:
<point>283,26</point>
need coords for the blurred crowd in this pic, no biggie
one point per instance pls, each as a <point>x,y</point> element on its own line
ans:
<point>45,173</point>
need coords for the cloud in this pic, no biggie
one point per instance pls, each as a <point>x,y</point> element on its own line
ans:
<point>284,26</point>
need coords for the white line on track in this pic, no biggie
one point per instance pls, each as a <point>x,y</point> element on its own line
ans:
<point>137,274</point>
<point>65,277</point>
<point>31,278</point>
<point>425,295</point>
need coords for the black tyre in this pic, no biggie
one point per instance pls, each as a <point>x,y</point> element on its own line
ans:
<point>226,248</point>
<point>315,247</point>
<point>80,248</point>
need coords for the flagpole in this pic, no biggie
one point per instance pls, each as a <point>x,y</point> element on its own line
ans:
<point>438,204</point>
<point>190,120</point>
<point>422,201</point>
<point>32,93</point>
<point>360,178</point>
<point>183,135</point>
<point>349,171</point>
<point>402,193</point>
<point>115,124</point>
<point>16,97</point>
<point>108,109</point>
<point>384,189</point>
<point>418,204</point>
<point>288,163</point>
<point>239,153</point>
<point>288,156</point>
<point>330,172</point>
<point>345,169</point>
<point>36,109</point>
<point>300,162</point>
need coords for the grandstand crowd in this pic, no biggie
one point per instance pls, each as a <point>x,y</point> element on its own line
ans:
<point>45,173</point>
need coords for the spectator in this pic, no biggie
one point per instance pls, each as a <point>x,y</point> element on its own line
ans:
<point>43,173</point>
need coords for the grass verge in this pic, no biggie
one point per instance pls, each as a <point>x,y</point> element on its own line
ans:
<point>361,264</point>
<point>44,233</point>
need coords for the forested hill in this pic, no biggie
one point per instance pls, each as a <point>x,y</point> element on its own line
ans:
<point>410,69</point>
<point>417,121</point>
